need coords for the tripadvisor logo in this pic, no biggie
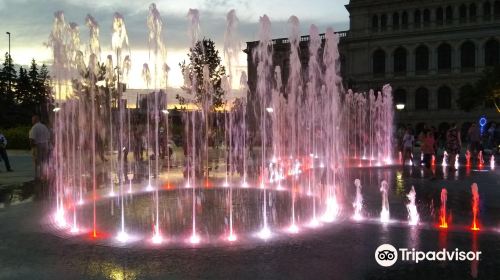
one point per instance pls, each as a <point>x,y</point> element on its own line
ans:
<point>387,255</point>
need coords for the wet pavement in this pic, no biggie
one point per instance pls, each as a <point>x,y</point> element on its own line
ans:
<point>22,163</point>
<point>340,250</point>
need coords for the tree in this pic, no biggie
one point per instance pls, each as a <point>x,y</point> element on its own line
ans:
<point>23,93</point>
<point>44,97</point>
<point>485,90</point>
<point>8,109</point>
<point>7,79</point>
<point>203,79</point>
<point>202,55</point>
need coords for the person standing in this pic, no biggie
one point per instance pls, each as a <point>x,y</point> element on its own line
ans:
<point>428,149</point>
<point>39,136</point>
<point>474,136</point>
<point>408,140</point>
<point>3,152</point>
<point>453,144</point>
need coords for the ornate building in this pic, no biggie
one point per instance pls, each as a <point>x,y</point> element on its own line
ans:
<point>429,51</point>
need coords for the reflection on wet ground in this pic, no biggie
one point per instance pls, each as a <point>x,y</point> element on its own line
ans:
<point>340,250</point>
<point>212,213</point>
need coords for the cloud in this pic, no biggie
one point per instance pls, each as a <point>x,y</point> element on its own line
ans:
<point>30,22</point>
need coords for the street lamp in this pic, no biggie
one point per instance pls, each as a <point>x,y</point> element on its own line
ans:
<point>10,58</point>
<point>8,34</point>
<point>400,106</point>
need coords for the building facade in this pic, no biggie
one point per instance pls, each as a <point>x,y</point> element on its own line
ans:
<point>430,51</point>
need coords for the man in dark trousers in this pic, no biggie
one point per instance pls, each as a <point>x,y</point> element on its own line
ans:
<point>3,152</point>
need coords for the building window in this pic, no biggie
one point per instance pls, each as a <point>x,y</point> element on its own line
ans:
<point>404,20</point>
<point>400,61</point>
<point>466,90</point>
<point>400,96</point>
<point>379,63</point>
<point>496,9</point>
<point>395,21</point>
<point>472,12</point>
<point>422,59</point>
<point>421,99</point>
<point>468,56</point>
<point>449,14</point>
<point>444,98</point>
<point>491,53</point>
<point>462,15</point>
<point>383,22</point>
<point>486,10</point>
<point>439,16</point>
<point>444,57</point>
<point>417,19</point>
<point>427,17</point>
<point>375,23</point>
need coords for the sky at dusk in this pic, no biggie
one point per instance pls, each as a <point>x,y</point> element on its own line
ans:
<point>30,23</point>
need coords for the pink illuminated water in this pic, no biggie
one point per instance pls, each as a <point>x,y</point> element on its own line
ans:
<point>475,207</point>
<point>384,213</point>
<point>443,218</point>
<point>304,126</point>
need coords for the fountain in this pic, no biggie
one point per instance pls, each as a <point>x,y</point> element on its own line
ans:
<point>480,159</point>
<point>366,116</point>
<point>358,201</point>
<point>384,213</point>
<point>475,206</point>
<point>444,163</point>
<point>412,207</point>
<point>443,223</point>
<point>292,170</point>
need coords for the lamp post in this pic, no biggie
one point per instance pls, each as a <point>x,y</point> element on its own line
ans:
<point>400,106</point>
<point>10,58</point>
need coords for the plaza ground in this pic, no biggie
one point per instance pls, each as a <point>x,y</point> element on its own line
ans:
<point>343,249</point>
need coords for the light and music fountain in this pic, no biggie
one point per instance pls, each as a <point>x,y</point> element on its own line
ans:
<point>288,178</point>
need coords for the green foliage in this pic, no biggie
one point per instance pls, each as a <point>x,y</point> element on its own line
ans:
<point>7,79</point>
<point>484,90</point>
<point>204,53</point>
<point>23,94</point>
<point>17,138</point>
<point>106,94</point>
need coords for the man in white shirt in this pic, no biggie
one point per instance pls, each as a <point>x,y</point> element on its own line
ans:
<point>3,152</point>
<point>39,139</point>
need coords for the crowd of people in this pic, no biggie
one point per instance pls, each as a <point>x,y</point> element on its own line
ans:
<point>478,141</point>
<point>415,149</point>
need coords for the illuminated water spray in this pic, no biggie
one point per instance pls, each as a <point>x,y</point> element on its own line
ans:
<point>146,76</point>
<point>445,159</point>
<point>413,217</point>
<point>384,213</point>
<point>358,201</point>
<point>443,223</point>
<point>193,16</point>
<point>263,56</point>
<point>475,207</point>
<point>157,46</point>
<point>480,159</point>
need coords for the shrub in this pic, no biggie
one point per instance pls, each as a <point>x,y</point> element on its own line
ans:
<point>17,137</point>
